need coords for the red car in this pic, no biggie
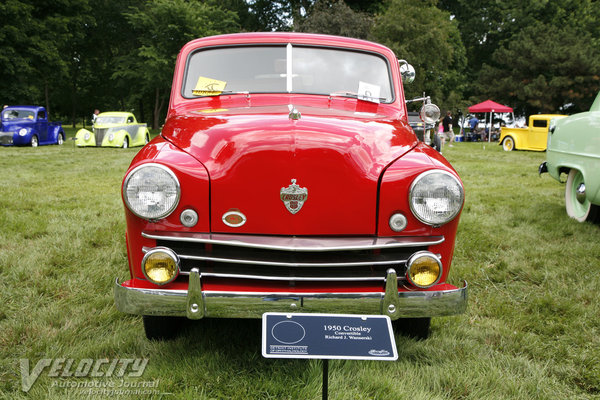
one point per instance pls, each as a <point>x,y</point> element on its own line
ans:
<point>287,178</point>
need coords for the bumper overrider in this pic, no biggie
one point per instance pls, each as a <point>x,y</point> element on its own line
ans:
<point>196,303</point>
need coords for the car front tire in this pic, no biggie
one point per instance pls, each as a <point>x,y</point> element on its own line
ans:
<point>125,143</point>
<point>161,328</point>
<point>34,141</point>
<point>417,328</point>
<point>508,144</point>
<point>60,139</point>
<point>579,210</point>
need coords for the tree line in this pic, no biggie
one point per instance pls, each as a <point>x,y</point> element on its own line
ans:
<point>74,56</point>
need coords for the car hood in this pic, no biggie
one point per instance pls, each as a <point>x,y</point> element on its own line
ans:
<point>9,126</point>
<point>253,154</point>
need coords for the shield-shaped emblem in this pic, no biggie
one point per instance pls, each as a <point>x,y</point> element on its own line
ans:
<point>293,197</point>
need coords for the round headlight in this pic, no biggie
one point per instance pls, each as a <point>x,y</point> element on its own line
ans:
<point>160,265</point>
<point>424,269</point>
<point>151,191</point>
<point>23,132</point>
<point>111,136</point>
<point>87,136</point>
<point>436,197</point>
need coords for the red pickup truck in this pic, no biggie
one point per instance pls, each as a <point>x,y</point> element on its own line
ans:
<point>287,178</point>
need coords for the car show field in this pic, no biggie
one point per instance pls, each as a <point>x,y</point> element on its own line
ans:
<point>530,330</point>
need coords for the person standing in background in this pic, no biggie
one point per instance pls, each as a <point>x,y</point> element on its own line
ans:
<point>447,123</point>
<point>95,115</point>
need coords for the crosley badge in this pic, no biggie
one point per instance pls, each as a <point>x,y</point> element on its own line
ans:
<point>293,197</point>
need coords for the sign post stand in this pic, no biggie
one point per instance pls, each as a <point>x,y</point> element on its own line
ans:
<point>328,337</point>
<point>325,389</point>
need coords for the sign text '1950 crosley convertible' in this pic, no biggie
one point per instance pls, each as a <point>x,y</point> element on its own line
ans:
<point>574,150</point>
<point>29,126</point>
<point>287,179</point>
<point>114,129</point>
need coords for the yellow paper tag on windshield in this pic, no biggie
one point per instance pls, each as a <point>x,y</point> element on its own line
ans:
<point>208,87</point>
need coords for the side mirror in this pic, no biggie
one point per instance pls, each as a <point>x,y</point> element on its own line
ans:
<point>430,113</point>
<point>407,71</point>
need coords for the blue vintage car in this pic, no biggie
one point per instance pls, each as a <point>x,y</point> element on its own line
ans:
<point>29,126</point>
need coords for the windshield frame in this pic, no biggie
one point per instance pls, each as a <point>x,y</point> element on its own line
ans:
<point>122,120</point>
<point>31,117</point>
<point>284,45</point>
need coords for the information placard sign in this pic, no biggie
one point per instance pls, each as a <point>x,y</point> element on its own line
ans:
<point>328,336</point>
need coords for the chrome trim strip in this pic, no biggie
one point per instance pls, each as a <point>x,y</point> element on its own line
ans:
<point>291,278</point>
<point>412,304</point>
<point>295,243</point>
<point>295,264</point>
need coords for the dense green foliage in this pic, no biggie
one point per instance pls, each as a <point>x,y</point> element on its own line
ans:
<point>77,55</point>
<point>531,330</point>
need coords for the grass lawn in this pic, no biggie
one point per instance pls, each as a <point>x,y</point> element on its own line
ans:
<point>532,329</point>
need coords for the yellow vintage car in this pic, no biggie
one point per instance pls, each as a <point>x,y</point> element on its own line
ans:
<point>533,137</point>
<point>114,129</point>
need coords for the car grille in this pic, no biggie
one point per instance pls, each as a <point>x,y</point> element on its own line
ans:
<point>6,137</point>
<point>99,135</point>
<point>312,259</point>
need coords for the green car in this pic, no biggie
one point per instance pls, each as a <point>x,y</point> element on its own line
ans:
<point>114,129</point>
<point>574,150</point>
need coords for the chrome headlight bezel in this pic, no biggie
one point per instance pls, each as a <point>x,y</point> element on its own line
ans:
<point>168,209</point>
<point>170,254</point>
<point>447,181</point>
<point>416,257</point>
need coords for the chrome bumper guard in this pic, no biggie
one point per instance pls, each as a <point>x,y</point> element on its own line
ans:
<point>195,303</point>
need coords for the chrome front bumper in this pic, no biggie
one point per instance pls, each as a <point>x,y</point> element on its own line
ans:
<point>195,303</point>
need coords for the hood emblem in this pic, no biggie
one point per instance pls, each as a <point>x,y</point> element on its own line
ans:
<point>293,197</point>
<point>294,113</point>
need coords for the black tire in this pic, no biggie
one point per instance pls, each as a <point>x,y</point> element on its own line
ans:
<point>34,141</point>
<point>437,143</point>
<point>125,143</point>
<point>60,139</point>
<point>417,328</point>
<point>161,328</point>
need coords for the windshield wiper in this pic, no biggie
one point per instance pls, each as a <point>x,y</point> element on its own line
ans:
<point>247,93</point>
<point>353,95</point>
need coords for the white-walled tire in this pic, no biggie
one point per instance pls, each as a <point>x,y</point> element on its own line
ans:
<point>508,144</point>
<point>580,210</point>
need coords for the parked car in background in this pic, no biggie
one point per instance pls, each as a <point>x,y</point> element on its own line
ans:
<point>574,150</point>
<point>114,129</point>
<point>287,178</point>
<point>532,137</point>
<point>425,131</point>
<point>29,126</point>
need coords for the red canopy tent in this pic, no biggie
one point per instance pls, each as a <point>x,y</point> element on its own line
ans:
<point>491,107</point>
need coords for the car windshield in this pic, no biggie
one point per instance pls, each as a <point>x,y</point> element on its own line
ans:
<point>288,69</point>
<point>17,114</point>
<point>110,120</point>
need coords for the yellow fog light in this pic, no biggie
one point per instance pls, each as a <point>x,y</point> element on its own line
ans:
<point>424,269</point>
<point>160,265</point>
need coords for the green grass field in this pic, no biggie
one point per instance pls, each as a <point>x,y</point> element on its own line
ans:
<point>532,330</point>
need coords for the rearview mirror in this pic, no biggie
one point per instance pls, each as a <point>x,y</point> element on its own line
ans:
<point>407,71</point>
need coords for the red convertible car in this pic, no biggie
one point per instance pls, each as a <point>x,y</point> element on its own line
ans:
<point>287,178</point>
